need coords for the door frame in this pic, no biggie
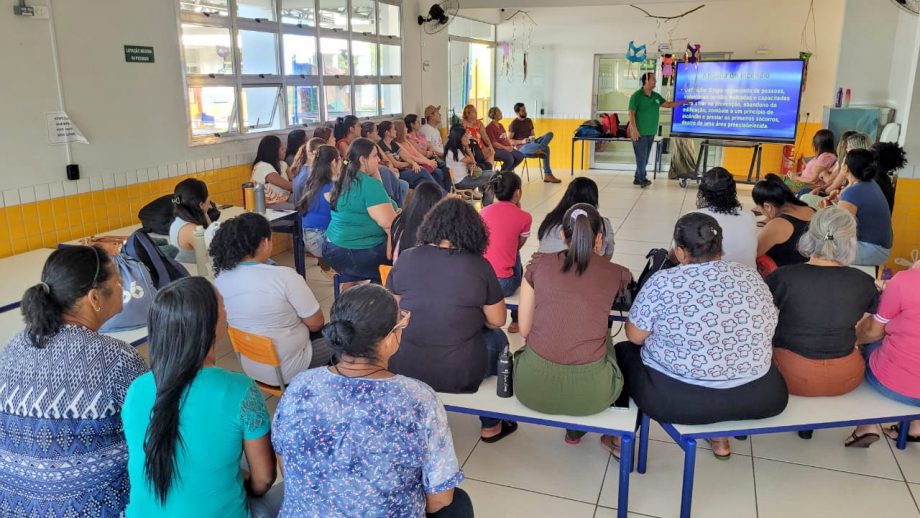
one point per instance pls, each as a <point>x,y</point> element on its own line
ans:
<point>594,93</point>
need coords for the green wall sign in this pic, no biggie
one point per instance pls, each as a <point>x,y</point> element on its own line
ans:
<point>138,54</point>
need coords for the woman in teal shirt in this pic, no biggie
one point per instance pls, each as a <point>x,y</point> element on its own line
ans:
<point>362,213</point>
<point>187,422</point>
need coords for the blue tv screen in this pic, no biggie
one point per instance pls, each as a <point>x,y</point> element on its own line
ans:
<point>756,100</point>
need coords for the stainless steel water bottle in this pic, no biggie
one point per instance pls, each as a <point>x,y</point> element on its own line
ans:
<point>505,386</point>
<point>259,192</point>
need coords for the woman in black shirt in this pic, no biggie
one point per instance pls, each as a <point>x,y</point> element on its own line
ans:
<point>787,219</point>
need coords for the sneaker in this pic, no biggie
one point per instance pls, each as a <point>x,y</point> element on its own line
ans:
<point>551,179</point>
<point>643,183</point>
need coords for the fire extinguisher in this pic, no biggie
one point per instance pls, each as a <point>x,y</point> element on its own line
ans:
<point>788,163</point>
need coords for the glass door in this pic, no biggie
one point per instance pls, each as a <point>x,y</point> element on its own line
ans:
<point>471,76</point>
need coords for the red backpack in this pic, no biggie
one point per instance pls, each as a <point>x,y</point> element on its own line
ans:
<point>611,123</point>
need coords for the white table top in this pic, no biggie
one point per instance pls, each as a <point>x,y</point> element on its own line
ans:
<point>20,272</point>
<point>486,400</point>
<point>11,323</point>
<point>863,403</point>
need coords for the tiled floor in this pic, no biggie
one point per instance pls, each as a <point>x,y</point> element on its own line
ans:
<point>533,473</point>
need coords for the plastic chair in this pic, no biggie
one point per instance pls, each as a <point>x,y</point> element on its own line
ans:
<point>339,278</point>
<point>259,349</point>
<point>384,273</point>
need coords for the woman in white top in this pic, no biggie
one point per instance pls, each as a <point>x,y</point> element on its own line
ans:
<point>190,208</point>
<point>718,197</point>
<point>581,190</point>
<point>270,169</point>
<point>459,159</point>
<point>267,300</point>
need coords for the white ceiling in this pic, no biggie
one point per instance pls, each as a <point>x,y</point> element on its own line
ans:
<point>523,4</point>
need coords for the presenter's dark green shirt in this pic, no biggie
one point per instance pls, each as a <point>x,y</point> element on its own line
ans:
<point>647,109</point>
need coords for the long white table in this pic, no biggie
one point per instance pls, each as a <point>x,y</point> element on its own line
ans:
<point>11,323</point>
<point>20,272</point>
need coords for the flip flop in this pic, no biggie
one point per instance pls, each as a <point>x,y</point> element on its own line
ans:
<point>720,456</point>
<point>861,441</point>
<point>508,428</point>
<point>610,446</point>
<point>897,431</point>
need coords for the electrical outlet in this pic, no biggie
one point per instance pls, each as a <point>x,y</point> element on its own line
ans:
<point>42,12</point>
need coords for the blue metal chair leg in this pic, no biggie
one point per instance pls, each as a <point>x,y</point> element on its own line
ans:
<point>626,464</point>
<point>336,282</point>
<point>686,496</point>
<point>644,423</point>
<point>902,434</point>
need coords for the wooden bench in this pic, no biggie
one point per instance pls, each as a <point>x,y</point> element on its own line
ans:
<point>864,405</point>
<point>619,422</point>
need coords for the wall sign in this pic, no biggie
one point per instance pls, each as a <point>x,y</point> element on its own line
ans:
<point>61,130</point>
<point>138,54</point>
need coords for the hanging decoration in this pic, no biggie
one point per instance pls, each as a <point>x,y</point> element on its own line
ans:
<point>635,55</point>
<point>505,68</point>
<point>667,44</point>
<point>807,52</point>
<point>668,69</point>
<point>522,28</point>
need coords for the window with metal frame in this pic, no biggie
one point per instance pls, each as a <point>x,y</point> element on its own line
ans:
<point>263,65</point>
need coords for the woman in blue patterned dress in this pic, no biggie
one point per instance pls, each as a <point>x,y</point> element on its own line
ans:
<point>357,440</point>
<point>62,385</point>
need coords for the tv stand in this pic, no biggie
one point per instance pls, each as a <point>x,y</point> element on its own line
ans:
<point>703,157</point>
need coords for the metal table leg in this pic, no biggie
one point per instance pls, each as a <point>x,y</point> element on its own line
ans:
<point>626,457</point>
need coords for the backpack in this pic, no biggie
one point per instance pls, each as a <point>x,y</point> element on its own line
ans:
<point>590,129</point>
<point>657,260</point>
<point>163,269</point>
<point>157,216</point>
<point>137,295</point>
<point>611,124</point>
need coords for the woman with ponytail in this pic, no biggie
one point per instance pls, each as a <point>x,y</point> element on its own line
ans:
<point>865,200</point>
<point>346,129</point>
<point>188,422</point>
<point>787,219</point>
<point>63,383</point>
<point>700,338</point>
<point>190,207</point>
<point>509,228</point>
<point>358,440</point>
<point>568,365</point>
<point>314,202</point>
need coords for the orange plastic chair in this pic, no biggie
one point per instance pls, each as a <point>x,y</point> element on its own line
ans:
<point>384,273</point>
<point>259,349</point>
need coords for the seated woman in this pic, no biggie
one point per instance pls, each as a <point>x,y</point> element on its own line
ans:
<point>61,353</point>
<point>700,338</point>
<point>889,158</point>
<point>568,365</point>
<point>864,199</point>
<point>478,134</point>
<point>362,213</point>
<point>504,151</point>
<point>447,284</point>
<point>816,168</point>
<point>509,228</point>
<point>787,219</point>
<point>409,170</point>
<point>295,141</point>
<point>267,300</point>
<point>270,169</point>
<point>835,180</point>
<point>314,203</point>
<point>190,207</point>
<point>407,149</point>
<point>325,133</point>
<point>892,336</point>
<point>814,346</point>
<point>718,197</point>
<point>346,129</point>
<point>359,440</point>
<point>188,422</point>
<point>461,163</point>
<point>414,136</point>
<point>301,166</point>
<point>404,232</point>
<point>397,188</point>
<point>581,190</point>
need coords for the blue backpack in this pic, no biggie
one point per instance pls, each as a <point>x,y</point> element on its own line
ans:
<point>137,295</point>
<point>163,269</point>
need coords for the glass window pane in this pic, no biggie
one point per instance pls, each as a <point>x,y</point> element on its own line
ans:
<point>298,12</point>
<point>210,109</point>
<point>365,56</point>
<point>206,49</point>
<point>335,56</point>
<point>390,60</point>
<point>257,52</point>
<point>366,100</point>
<point>260,108</point>
<point>333,14</point>
<point>303,104</point>
<point>363,17</point>
<point>338,101</point>
<point>300,55</point>
<point>471,29</point>
<point>263,9</point>
<point>390,99</point>
<point>389,20</point>
<point>213,7</point>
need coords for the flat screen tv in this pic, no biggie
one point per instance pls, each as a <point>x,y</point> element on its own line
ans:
<point>753,100</point>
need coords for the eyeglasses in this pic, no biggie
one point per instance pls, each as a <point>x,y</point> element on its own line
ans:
<point>403,320</point>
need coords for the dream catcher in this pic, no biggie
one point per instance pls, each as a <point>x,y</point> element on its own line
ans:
<point>665,42</point>
<point>514,53</point>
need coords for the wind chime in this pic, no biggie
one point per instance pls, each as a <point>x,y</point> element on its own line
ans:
<point>515,53</point>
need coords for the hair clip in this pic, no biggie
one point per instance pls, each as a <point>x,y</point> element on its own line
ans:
<point>578,213</point>
<point>828,237</point>
<point>45,288</point>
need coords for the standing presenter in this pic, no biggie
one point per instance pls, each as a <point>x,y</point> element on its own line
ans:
<point>644,108</point>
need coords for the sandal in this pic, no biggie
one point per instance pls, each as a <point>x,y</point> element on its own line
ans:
<point>897,431</point>
<point>508,428</point>
<point>607,441</point>
<point>720,456</point>
<point>861,441</point>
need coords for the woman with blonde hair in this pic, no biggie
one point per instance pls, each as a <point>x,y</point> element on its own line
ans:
<point>478,133</point>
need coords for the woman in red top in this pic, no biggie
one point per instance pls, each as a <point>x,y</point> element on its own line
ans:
<point>347,128</point>
<point>474,126</point>
<point>504,151</point>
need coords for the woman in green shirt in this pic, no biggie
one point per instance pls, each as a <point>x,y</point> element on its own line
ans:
<point>187,422</point>
<point>362,212</point>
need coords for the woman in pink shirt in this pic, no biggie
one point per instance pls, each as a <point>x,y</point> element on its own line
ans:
<point>818,167</point>
<point>509,228</point>
<point>893,351</point>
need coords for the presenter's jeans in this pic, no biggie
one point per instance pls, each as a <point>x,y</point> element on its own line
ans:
<point>642,148</point>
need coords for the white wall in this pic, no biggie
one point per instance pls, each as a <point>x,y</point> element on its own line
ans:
<point>569,37</point>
